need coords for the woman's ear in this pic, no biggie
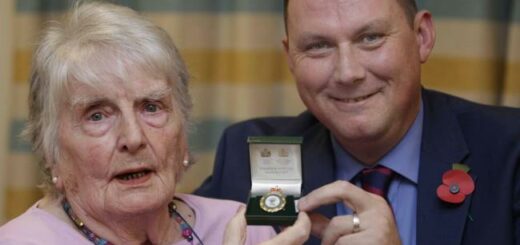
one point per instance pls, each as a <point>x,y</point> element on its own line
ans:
<point>56,178</point>
<point>425,32</point>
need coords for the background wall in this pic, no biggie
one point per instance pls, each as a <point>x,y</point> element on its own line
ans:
<point>233,50</point>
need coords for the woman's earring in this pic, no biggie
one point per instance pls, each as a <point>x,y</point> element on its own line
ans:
<point>54,179</point>
<point>186,162</point>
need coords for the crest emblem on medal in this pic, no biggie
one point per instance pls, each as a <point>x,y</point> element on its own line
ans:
<point>273,201</point>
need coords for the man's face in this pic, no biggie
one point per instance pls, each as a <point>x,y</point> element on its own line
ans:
<point>121,146</point>
<point>357,67</point>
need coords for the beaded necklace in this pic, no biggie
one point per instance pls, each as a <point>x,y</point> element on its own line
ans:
<point>186,230</point>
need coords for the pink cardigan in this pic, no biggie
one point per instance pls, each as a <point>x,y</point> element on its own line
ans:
<point>36,226</point>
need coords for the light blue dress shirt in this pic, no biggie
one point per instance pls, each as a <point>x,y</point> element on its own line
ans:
<point>402,194</point>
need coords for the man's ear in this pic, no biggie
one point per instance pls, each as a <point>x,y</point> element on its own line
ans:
<point>425,32</point>
<point>288,58</point>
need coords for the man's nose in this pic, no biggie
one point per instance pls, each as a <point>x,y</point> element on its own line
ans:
<point>132,136</point>
<point>348,68</point>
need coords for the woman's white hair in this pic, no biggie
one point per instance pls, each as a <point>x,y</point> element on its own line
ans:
<point>95,40</point>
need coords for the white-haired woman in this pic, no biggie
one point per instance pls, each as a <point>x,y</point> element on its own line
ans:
<point>109,109</point>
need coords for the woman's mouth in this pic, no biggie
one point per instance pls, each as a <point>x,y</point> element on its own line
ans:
<point>134,177</point>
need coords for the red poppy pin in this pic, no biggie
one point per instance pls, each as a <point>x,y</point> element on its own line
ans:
<point>456,184</point>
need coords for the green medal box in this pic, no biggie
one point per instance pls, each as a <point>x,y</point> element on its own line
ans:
<point>276,180</point>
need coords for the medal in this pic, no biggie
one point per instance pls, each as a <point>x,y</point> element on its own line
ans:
<point>273,201</point>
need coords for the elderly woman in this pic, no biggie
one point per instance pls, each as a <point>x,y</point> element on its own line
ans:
<point>109,109</point>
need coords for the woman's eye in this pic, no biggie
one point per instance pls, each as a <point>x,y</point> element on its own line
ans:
<point>151,107</point>
<point>96,117</point>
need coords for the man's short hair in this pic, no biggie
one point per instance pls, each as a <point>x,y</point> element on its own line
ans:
<point>409,6</point>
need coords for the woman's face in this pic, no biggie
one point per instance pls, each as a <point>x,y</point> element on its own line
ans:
<point>121,146</point>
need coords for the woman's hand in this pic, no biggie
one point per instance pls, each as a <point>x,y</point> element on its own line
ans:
<point>296,234</point>
<point>236,231</point>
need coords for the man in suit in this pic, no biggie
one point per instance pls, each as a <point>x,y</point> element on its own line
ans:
<point>357,68</point>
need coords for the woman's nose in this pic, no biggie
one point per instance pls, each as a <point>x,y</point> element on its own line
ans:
<point>131,137</point>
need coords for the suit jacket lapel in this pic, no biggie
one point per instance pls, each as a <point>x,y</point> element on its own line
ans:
<point>317,156</point>
<point>319,165</point>
<point>442,145</point>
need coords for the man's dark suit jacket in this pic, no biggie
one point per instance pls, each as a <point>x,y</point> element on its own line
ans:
<point>486,138</point>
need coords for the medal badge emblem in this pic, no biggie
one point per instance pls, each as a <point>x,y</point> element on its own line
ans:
<point>273,201</point>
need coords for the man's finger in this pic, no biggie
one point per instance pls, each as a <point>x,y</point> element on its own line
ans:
<point>339,191</point>
<point>319,224</point>
<point>338,227</point>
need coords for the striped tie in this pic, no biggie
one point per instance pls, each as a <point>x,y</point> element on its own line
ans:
<point>377,180</point>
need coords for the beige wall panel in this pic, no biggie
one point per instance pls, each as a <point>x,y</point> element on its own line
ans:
<point>239,102</point>
<point>464,76</point>
<point>466,38</point>
<point>236,31</point>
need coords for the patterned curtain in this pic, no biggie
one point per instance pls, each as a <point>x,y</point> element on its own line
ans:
<point>477,54</point>
<point>233,50</point>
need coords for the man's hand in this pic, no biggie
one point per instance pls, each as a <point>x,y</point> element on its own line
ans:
<point>377,224</point>
<point>293,235</point>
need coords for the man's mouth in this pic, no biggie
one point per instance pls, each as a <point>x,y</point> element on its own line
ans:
<point>356,99</point>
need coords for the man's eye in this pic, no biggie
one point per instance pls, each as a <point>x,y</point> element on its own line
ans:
<point>151,107</point>
<point>317,46</point>
<point>96,117</point>
<point>371,38</point>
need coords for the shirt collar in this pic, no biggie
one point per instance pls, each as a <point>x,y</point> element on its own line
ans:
<point>402,159</point>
